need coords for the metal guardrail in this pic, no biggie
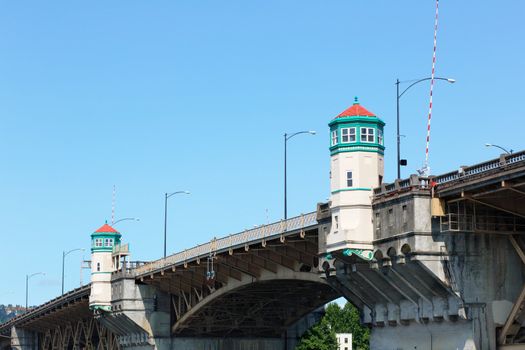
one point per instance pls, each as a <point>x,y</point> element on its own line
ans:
<point>231,241</point>
<point>63,299</point>
<point>480,168</point>
<point>121,249</point>
<point>481,223</point>
<point>420,182</point>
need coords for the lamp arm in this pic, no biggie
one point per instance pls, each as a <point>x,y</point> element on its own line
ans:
<point>36,273</point>
<point>171,194</point>
<point>296,133</point>
<point>72,250</point>
<point>417,82</point>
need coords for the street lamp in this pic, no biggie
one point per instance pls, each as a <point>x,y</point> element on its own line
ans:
<point>501,148</point>
<point>64,254</point>
<point>286,138</point>
<point>450,80</point>
<point>27,284</point>
<point>166,196</point>
<point>116,222</point>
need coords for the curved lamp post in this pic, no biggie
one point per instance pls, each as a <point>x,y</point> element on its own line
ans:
<point>64,254</point>
<point>166,196</point>
<point>27,285</point>
<point>124,219</point>
<point>286,138</point>
<point>399,95</point>
<point>501,148</point>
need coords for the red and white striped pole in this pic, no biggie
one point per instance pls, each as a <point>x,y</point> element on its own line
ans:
<point>426,170</point>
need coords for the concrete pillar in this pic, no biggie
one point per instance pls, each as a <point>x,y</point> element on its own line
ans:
<point>228,344</point>
<point>140,316</point>
<point>23,339</point>
<point>431,336</point>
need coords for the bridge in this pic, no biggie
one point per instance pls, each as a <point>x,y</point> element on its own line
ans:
<point>266,283</point>
<point>62,323</point>
<point>431,263</point>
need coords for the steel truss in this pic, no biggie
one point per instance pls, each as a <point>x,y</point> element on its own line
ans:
<point>86,334</point>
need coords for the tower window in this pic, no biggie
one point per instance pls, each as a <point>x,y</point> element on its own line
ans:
<point>334,137</point>
<point>347,135</point>
<point>380,136</point>
<point>98,242</point>
<point>98,266</point>
<point>367,135</point>
<point>336,222</point>
<point>108,242</point>
<point>349,182</point>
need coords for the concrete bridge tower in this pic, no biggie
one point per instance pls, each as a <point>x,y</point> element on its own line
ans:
<point>356,167</point>
<point>102,265</point>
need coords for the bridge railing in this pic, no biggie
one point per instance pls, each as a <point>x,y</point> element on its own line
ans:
<point>231,241</point>
<point>482,223</point>
<point>506,159</point>
<point>413,182</point>
<point>419,182</point>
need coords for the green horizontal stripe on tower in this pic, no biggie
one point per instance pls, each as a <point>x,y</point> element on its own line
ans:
<point>102,249</point>
<point>355,149</point>
<point>352,189</point>
<point>105,235</point>
<point>360,145</point>
<point>354,119</point>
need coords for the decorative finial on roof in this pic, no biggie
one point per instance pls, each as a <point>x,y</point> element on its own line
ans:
<point>356,100</point>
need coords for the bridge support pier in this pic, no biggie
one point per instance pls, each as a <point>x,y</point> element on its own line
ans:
<point>140,316</point>
<point>23,339</point>
<point>431,336</point>
<point>228,344</point>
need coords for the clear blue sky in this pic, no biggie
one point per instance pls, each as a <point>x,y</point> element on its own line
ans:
<point>156,96</point>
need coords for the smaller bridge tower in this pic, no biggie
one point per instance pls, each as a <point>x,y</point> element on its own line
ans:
<point>356,167</point>
<point>102,265</point>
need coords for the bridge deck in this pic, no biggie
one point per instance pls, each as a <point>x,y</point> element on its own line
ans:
<point>77,298</point>
<point>444,184</point>
<point>231,242</point>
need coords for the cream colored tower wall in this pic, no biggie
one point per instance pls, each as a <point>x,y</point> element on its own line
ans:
<point>352,205</point>
<point>101,268</point>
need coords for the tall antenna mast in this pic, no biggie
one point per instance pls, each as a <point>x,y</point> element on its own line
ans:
<point>425,171</point>
<point>113,206</point>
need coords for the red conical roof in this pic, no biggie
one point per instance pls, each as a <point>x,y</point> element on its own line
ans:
<point>106,229</point>
<point>356,111</point>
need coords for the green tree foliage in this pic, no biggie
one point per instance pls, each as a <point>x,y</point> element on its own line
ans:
<point>336,320</point>
<point>347,320</point>
<point>319,337</point>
